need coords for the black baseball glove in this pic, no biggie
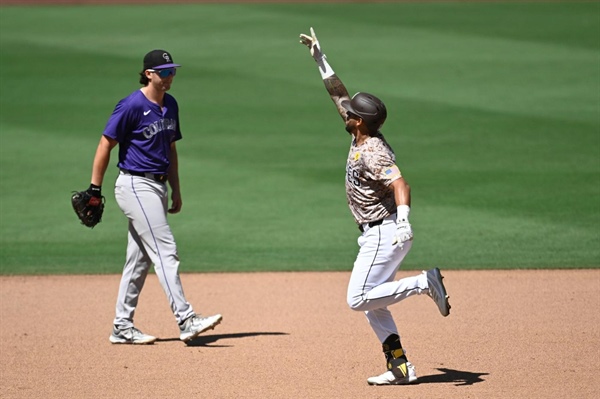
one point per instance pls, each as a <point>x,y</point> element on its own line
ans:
<point>88,205</point>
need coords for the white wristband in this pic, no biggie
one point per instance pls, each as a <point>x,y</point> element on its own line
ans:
<point>402,213</point>
<point>324,68</point>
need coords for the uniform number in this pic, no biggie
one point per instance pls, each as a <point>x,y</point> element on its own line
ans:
<point>352,176</point>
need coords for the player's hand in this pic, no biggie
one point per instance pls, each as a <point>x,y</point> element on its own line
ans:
<point>403,233</point>
<point>176,202</point>
<point>312,43</point>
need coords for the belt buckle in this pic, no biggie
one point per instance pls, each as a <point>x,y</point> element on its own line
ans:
<point>161,178</point>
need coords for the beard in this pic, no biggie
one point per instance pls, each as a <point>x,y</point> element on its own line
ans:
<point>351,126</point>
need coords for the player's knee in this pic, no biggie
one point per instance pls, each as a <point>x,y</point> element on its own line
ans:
<point>356,302</point>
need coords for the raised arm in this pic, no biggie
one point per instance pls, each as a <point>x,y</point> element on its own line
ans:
<point>336,89</point>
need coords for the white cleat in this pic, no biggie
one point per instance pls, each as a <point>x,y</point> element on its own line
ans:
<point>196,325</point>
<point>130,335</point>
<point>388,378</point>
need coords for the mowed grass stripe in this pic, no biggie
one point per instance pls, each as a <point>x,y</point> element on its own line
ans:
<point>485,120</point>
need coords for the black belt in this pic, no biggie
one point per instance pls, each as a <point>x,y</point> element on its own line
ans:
<point>371,224</point>
<point>154,176</point>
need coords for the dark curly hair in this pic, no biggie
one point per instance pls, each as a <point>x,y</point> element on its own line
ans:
<point>143,79</point>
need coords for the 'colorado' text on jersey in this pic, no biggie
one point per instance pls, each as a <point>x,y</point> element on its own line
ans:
<point>144,132</point>
<point>370,169</point>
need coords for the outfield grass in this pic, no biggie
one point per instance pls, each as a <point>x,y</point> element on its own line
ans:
<point>494,113</point>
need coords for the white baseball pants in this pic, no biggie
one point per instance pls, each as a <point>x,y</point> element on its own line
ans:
<point>372,287</point>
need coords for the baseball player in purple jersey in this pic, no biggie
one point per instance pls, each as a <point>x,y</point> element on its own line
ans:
<point>145,125</point>
<point>379,199</point>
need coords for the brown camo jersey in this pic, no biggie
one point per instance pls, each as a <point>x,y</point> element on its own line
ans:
<point>370,169</point>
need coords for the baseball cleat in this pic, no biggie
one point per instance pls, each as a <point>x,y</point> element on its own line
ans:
<point>196,325</point>
<point>437,291</point>
<point>130,335</point>
<point>388,378</point>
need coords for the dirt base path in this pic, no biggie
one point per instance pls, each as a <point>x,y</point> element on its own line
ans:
<point>517,334</point>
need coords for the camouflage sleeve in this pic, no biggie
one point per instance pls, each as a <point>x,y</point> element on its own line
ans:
<point>381,166</point>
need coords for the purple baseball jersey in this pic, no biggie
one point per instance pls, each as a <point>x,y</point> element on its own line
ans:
<point>144,132</point>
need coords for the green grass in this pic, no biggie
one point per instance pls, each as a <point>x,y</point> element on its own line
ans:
<point>494,113</point>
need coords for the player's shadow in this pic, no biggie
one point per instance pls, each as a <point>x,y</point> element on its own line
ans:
<point>207,340</point>
<point>458,377</point>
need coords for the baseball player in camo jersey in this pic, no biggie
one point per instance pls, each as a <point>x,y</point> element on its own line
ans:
<point>145,125</point>
<point>379,199</point>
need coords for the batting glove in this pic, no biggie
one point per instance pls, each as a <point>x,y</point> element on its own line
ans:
<point>313,44</point>
<point>315,50</point>
<point>403,229</point>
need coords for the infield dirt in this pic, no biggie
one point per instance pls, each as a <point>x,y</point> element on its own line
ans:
<point>511,334</point>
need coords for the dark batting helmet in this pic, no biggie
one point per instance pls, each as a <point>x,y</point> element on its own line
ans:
<point>370,109</point>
